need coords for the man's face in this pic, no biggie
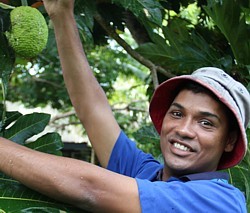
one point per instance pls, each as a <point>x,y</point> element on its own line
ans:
<point>194,134</point>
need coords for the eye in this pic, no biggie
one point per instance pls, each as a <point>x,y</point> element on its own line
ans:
<point>206,123</point>
<point>176,114</point>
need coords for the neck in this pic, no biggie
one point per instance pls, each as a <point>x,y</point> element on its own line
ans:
<point>166,174</point>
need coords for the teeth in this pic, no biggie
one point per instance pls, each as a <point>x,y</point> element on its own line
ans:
<point>181,147</point>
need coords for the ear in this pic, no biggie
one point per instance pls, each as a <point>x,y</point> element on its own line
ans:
<point>232,138</point>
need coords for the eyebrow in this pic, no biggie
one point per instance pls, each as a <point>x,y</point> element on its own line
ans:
<point>205,113</point>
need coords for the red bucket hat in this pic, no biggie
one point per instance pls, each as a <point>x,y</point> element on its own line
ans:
<point>229,91</point>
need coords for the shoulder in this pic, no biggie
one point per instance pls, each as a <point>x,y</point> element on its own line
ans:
<point>178,196</point>
<point>128,160</point>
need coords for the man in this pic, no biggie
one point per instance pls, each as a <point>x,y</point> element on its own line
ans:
<point>196,139</point>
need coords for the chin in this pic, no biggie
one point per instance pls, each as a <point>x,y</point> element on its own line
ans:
<point>177,170</point>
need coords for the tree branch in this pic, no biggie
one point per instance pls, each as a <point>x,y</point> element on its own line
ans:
<point>61,116</point>
<point>149,64</point>
<point>46,81</point>
<point>127,107</point>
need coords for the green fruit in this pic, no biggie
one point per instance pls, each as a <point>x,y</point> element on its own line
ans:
<point>29,31</point>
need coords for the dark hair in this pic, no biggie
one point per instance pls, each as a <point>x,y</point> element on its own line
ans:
<point>198,88</point>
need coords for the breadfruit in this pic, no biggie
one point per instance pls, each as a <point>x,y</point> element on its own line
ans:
<point>28,33</point>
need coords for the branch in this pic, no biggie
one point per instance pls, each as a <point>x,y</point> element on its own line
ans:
<point>126,107</point>
<point>47,82</point>
<point>6,6</point>
<point>62,126</point>
<point>149,64</point>
<point>61,116</point>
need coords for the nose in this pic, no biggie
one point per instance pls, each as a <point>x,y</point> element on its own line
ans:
<point>185,128</point>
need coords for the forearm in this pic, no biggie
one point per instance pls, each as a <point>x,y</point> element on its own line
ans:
<point>79,79</point>
<point>72,181</point>
<point>88,98</point>
<point>57,177</point>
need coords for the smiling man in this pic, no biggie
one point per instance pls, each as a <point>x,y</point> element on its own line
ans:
<point>201,119</point>
<point>194,134</point>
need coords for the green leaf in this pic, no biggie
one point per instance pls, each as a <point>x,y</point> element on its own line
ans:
<point>143,9</point>
<point>148,140</point>
<point>87,10</point>
<point>50,143</point>
<point>240,174</point>
<point>15,197</point>
<point>7,58</point>
<point>5,6</point>
<point>181,48</point>
<point>232,25</point>
<point>85,19</point>
<point>240,178</point>
<point>27,126</point>
<point>147,134</point>
<point>9,118</point>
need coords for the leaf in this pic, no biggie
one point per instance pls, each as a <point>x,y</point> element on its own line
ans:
<point>9,118</point>
<point>6,6</point>
<point>7,58</point>
<point>15,197</point>
<point>240,178</point>
<point>27,126</point>
<point>143,9</point>
<point>232,25</point>
<point>240,174</point>
<point>181,48</point>
<point>148,140</point>
<point>50,143</point>
<point>147,134</point>
<point>87,10</point>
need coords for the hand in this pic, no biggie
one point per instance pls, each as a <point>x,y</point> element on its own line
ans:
<point>57,8</point>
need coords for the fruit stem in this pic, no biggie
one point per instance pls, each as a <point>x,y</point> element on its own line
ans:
<point>6,6</point>
<point>4,106</point>
<point>24,3</point>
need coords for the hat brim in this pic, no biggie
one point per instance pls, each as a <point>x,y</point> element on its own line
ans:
<point>165,94</point>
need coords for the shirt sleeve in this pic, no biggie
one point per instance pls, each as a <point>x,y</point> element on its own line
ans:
<point>127,159</point>
<point>193,196</point>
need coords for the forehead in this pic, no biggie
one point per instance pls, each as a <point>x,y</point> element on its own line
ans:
<point>204,102</point>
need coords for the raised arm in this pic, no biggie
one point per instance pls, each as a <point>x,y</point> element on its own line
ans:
<point>79,183</point>
<point>87,96</point>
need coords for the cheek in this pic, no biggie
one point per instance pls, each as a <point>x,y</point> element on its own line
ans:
<point>163,140</point>
<point>163,126</point>
<point>212,143</point>
<point>162,143</point>
<point>167,125</point>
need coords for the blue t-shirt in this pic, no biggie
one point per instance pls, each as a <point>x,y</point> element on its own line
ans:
<point>204,192</point>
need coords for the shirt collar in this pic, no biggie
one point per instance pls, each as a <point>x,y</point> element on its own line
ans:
<point>198,176</point>
<point>205,176</point>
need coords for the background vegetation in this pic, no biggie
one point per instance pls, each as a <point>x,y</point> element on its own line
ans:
<point>132,46</point>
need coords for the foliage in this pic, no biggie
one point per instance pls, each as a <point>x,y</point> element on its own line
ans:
<point>240,174</point>
<point>151,10</point>
<point>148,138</point>
<point>15,196</point>
<point>19,128</point>
<point>232,22</point>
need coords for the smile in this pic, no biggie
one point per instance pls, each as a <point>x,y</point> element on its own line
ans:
<point>181,147</point>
